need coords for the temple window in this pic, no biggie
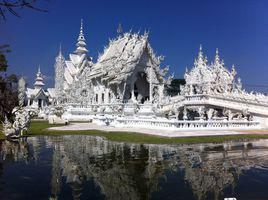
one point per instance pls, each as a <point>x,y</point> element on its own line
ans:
<point>96,98</point>
<point>102,97</point>
<point>109,96</point>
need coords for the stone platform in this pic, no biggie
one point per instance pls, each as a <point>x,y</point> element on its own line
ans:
<point>162,133</point>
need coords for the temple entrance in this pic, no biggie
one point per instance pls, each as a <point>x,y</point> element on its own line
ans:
<point>141,88</point>
<point>39,103</point>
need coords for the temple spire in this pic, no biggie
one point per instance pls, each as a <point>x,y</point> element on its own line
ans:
<point>39,79</point>
<point>81,41</point>
<point>200,54</point>
<point>201,60</point>
<point>217,57</point>
<point>39,71</point>
<point>119,29</point>
<point>60,52</point>
<point>60,49</point>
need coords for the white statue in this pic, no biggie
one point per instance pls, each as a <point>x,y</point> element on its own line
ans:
<point>22,117</point>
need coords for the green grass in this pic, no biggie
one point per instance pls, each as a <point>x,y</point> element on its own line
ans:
<point>38,128</point>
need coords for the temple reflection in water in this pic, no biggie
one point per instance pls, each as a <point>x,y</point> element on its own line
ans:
<point>83,167</point>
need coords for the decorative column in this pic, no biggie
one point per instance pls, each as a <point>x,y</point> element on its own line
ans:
<point>185,117</point>
<point>151,84</point>
<point>191,90</point>
<point>161,92</point>
<point>132,92</point>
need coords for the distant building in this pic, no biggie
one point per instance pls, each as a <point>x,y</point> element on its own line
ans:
<point>38,97</point>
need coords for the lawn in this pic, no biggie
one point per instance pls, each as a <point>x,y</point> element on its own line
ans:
<point>38,128</point>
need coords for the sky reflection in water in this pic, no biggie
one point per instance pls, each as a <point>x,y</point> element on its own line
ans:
<point>85,167</point>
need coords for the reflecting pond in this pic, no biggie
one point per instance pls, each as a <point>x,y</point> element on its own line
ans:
<point>86,167</point>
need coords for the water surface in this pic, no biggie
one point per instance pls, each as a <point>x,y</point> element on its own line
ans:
<point>86,167</point>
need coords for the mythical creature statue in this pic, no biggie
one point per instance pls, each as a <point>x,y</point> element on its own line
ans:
<point>21,115</point>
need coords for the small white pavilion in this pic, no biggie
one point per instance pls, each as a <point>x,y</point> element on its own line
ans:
<point>37,97</point>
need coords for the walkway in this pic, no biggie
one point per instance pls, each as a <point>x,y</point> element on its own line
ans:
<point>163,133</point>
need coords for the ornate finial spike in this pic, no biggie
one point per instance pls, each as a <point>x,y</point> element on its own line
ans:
<point>81,27</point>
<point>60,53</point>
<point>39,71</point>
<point>200,53</point>
<point>217,57</point>
<point>81,35</point>
<point>119,29</point>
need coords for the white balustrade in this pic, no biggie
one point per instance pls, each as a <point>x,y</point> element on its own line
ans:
<point>177,125</point>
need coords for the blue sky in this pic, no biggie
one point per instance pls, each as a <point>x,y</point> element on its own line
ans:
<point>239,28</point>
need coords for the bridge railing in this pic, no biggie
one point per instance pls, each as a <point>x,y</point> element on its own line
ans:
<point>174,124</point>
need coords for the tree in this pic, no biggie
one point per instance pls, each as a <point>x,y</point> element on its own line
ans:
<point>3,61</point>
<point>8,95</point>
<point>174,87</point>
<point>8,87</point>
<point>9,84</point>
<point>12,6</point>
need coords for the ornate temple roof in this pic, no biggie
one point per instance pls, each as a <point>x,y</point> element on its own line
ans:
<point>51,92</point>
<point>122,55</point>
<point>200,73</point>
<point>203,73</point>
<point>35,93</point>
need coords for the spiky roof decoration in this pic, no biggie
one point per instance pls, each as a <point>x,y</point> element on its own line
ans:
<point>122,55</point>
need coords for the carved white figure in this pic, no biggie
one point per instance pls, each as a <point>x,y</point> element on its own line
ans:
<point>22,117</point>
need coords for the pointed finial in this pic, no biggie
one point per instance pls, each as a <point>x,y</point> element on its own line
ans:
<point>200,54</point>
<point>81,35</point>
<point>119,29</point>
<point>217,57</point>
<point>39,71</point>
<point>201,60</point>
<point>81,26</point>
<point>60,52</point>
<point>146,33</point>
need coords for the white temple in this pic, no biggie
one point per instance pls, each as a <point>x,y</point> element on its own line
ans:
<point>38,97</point>
<point>126,87</point>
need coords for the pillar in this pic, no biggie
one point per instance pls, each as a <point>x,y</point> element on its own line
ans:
<point>151,84</point>
<point>132,92</point>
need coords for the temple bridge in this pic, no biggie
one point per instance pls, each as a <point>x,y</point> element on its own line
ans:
<point>251,103</point>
